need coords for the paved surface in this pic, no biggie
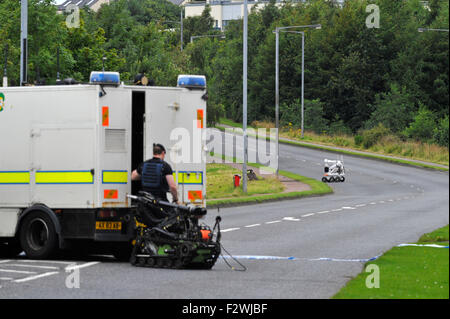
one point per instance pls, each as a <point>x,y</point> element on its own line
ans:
<point>379,206</point>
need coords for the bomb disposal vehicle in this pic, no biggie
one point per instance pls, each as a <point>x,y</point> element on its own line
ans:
<point>67,153</point>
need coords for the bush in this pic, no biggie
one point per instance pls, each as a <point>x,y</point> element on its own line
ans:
<point>394,110</point>
<point>423,125</point>
<point>372,136</point>
<point>338,127</point>
<point>440,133</point>
<point>314,115</point>
<point>358,140</point>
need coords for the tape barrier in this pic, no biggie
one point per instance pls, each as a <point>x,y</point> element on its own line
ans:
<point>295,258</point>
<point>363,260</point>
<point>260,257</point>
<point>422,245</point>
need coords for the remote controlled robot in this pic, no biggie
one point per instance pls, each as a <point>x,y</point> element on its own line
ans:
<point>334,171</point>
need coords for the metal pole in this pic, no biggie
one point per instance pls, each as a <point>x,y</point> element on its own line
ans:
<point>57,64</point>
<point>5,70</point>
<point>303,83</point>
<point>181,22</point>
<point>277,92</point>
<point>244,117</point>
<point>23,41</point>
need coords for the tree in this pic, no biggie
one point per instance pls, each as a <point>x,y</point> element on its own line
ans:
<point>395,110</point>
<point>422,127</point>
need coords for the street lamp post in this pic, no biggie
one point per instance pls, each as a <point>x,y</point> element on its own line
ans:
<point>277,66</point>
<point>181,27</point>
<point>244,99</point>
<point>23,42</point>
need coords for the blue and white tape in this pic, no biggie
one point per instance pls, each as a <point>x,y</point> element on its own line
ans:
<point>422,245</point>
<point>361,260</point>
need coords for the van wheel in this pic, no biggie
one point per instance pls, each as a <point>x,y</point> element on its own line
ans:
<point>38,237</point>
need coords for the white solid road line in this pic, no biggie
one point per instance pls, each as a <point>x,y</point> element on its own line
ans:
<point>72,267</point>
<point>307,215</point>
<point>45,261</point>
<point>5,278</point>
<point>31,266</point>
<point>18,271</point>
<point>46,274</point>
<point>274,221</point>
<point>291,219</point>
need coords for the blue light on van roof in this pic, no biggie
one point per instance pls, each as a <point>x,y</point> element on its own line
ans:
<point>192,81</point>
<point>106,78</point>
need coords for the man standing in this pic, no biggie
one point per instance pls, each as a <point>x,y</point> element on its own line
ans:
<point>156,175</point>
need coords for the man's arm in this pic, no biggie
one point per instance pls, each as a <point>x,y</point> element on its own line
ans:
<point>172,187</point>
<point>135,176</point>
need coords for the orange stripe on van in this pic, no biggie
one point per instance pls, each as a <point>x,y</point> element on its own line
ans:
<point>105,116</point>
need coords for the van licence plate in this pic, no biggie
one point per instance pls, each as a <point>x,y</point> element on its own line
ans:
<point>108,225</point>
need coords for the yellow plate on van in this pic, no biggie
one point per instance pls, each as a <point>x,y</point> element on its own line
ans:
<point>108,225</point>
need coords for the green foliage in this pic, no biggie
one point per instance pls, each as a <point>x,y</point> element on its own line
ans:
<point>355,77</point>
<point>441,132</point>
<point>423,125</point>
<point>314,115</point>
<point>359,139</point>
<point>372,136</point>
<point>394,110</point>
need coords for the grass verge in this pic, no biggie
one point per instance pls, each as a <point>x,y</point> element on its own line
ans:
<point>318,188</point>
<point>389,157</point>
<point>220,183</point>
<point>406,272</point>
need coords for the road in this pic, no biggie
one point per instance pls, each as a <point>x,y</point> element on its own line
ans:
<point>295,249</point>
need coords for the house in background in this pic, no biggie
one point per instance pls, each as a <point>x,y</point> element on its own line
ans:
<point>222,11</point>
<point>91,4</point>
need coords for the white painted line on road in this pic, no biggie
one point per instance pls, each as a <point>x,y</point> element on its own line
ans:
<point>336,210</point>
<point>274,221</point>
<point>5,278</point>
<point>229,229</point>
<point>323,212</point>
<point>253,225</point>
<point>307,215</point>
<point>4,261</point>
<point>46,261</point>
<point>31,266</point>
<point>18,271</point>
<point>348,207</point>
<point>293,219</point>
<point>373,203</point>
<point>46,274</point>
<point>361,205</point>
<point>70,268</point>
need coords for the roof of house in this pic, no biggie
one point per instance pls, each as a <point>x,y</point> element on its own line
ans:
<point>176,2</point>
<point>78,3</point>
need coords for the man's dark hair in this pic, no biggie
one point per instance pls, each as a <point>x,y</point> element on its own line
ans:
<point>158,149</point>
